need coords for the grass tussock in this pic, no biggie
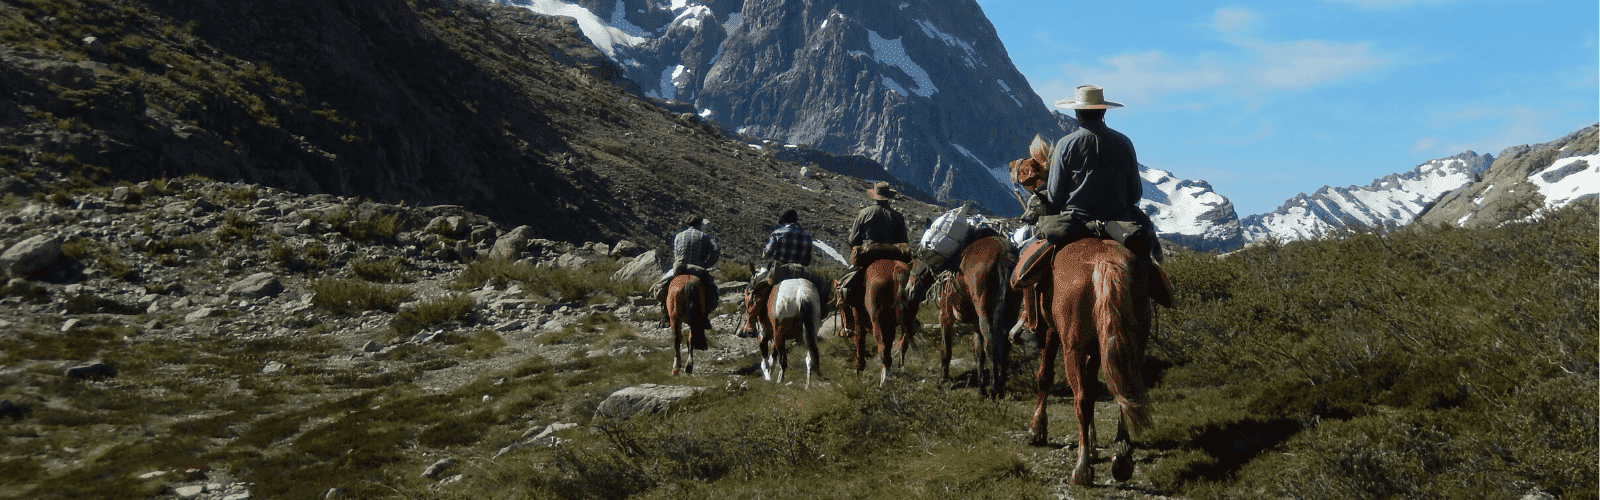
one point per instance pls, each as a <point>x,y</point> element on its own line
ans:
<point>346,296</point>
<point>588,284</point>
<point>1429,362</point>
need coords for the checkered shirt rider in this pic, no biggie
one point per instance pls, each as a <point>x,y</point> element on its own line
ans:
<point>789,245</point>
<point>693,246</point>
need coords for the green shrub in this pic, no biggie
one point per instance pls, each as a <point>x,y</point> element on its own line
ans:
<point>347,296</point>
<point>389,270</point>
<point>428,313</point>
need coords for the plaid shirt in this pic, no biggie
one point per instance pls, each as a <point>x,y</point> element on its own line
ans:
<point>789,245</point>
<point>693,246</point>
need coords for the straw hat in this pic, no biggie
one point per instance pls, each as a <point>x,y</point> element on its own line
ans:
<point>881,191</point>
<point>1087,97</point>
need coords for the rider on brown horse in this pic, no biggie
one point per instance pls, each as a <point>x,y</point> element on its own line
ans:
<point>693,252</point>
<point>1094,187</point>
<point>879,232</point>
<point>788,253</point>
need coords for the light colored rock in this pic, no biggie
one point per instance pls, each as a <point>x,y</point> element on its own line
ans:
<point>258,285</point>
<point>646,398</point>
<point>272,367</point>
<point>642,269</point>
<point>30,255</point>
<point>189,491</point>
<point>438,468</point>
<point>512,244</point>
<point>200,314</point>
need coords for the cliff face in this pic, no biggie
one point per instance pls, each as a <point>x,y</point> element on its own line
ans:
<point>924,88</point>
<point>509,113</point>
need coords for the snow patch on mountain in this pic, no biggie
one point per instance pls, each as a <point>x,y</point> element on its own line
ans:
<point>1391,201</point>
<point>1568,180</point>
<point>606,35</point>
<point>893,53</point>
<point>1188,212</point>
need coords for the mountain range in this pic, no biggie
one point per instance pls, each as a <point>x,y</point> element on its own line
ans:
<point>535,120</point>
<point>930,96</point>
<point>924,88</point>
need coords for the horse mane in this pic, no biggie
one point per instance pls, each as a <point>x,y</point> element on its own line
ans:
<point>1041,150</point>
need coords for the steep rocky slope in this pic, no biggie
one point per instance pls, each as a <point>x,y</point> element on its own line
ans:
<point>505,112</point>
<point>1523,181</point>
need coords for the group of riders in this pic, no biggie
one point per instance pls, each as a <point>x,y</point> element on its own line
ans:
<point>1084,185</point>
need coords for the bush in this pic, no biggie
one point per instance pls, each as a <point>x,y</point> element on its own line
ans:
<point>1419,361</point>
<point>346,296</point>
<point>428,313</point>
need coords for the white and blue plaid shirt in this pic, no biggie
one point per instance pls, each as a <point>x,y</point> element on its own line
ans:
<point>789,245</point>
<point>693,246</point>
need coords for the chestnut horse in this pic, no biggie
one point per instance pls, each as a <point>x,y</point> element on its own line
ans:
<point>881,303</point>
<point>683,306</point>
<point>793,311</point>
<point>979,293</point>
<point>1096,311</point>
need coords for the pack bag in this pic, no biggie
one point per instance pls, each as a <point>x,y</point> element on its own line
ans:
<point>947,233</point>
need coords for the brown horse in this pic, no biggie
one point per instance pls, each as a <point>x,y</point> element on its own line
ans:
<point>979,293</point>
<point>793,311</point>
<point>684,297</point>
<point>1096,311</point>
<point>882,304</point>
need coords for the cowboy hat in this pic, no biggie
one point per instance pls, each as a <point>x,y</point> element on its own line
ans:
<point>1087,97</point>
<point>881,191</point>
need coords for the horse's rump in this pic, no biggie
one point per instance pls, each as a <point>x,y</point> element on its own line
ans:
<point>684,304</point>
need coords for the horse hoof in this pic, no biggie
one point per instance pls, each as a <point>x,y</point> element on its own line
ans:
<point>1083,476</point>
<point>1122,467</point>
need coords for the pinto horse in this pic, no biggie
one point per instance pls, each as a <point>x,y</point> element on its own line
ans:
<point>882,304</point>
<point>684,297</point>
<point>979,293</point>
<point>793,311</point>
<point>1096,312</point>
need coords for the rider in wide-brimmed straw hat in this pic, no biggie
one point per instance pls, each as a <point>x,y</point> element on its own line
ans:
<point>1094,174</point>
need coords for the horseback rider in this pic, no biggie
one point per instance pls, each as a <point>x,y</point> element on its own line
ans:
<point>879,232</point>
<point>788,254</point>
<point>693,252</point>
<point>1094,186</point>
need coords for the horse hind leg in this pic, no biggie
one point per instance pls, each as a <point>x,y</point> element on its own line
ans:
<point>1081,376</point>
<point>1122,453</point>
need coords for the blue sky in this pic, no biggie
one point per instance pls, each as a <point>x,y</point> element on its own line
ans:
<point>1268,99</point>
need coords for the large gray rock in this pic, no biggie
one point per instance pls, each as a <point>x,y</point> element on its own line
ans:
<point>648,399</point>
<point>30,255</point>
<point>643,269</point>
<point>258,285</point>
<point>512,244</point>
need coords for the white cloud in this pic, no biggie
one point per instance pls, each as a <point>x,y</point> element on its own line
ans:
<point>1248,68</point>
<point>1234,20</point>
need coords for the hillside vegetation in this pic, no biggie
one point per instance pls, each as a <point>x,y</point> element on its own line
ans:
<point>1419,363</point>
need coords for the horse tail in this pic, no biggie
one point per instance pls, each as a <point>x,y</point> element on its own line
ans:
<point>1122,348</point>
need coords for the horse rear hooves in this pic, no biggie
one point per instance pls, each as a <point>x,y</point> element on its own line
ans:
<point>1122,467</point>
<point>1122,461</point>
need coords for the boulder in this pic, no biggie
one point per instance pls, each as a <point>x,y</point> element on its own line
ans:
<point>31,255</point>
<point>647,398</point>
<point>642,269</point>
<point>91,371</point>
<point>626,248</point>
<point>512,244</point>
<point>258,285</point>
<point>576,260</point>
